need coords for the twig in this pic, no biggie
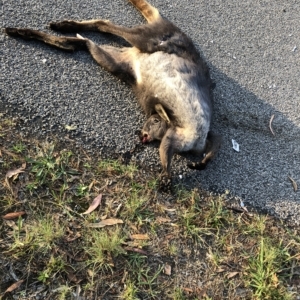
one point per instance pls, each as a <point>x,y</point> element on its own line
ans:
<point>270,124</point>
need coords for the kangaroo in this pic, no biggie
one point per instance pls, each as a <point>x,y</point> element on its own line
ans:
<point>166,72</point>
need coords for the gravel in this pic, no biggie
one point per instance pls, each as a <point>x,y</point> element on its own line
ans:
<point>252,48</point>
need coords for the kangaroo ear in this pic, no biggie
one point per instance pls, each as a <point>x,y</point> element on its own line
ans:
<point>162,113</point>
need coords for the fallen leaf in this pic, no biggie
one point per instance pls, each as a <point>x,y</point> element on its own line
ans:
<point>107,222</point>
<point>161,220</point>
<point>270,124</point>
<point>13,215</point>
<point>294,183</point>
<point>73,238</point>
<point>220,270</point>
<point>139,237</point>
<point>12,173</point>
<point>96,202</point>
<point>13,286</point>
<point>232,274</point>
<point>170,209</point>
<point>167,269</point>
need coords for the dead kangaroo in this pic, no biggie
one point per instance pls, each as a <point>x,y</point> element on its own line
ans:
<point>168,75</point>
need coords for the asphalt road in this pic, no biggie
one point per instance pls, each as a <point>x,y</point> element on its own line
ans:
<point>253,50</point>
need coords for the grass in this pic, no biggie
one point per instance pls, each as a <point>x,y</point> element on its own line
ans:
<point>187,245</point>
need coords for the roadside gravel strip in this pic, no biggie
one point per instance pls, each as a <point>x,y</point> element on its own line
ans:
<point>253,50</point>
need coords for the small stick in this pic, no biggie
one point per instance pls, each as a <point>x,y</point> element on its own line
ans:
<point>270,124</point>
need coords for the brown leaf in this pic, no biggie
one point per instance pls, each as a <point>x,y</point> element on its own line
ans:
<point>94,204</point>
<point>139,237</point>
<point>73,238</point>
<point>13,286</point>
<point>232,274</point>
<point>167,269</point>
<point>107,222</point>
<point>161,220</point>
<point>220,270</point>
<point>294,183</point>
<point>13,215</point>
<point>12,173</point>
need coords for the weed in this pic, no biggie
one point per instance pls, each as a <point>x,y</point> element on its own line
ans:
<point>173,249</point>
<point>152,184</point>
<point>216,215</point>
<point>116,168</point>
<point>129,292</point>
<point>19,147</point>
<point>102,246</point>
<point>82,190</point>
<point>263,272</point>
<point>54,265</point>
<point>35,237</point>
<point>256,226</point>
<point>134,205</point>
<point>178,294</point>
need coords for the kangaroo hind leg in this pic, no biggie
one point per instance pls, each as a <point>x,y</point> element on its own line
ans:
<point>117,61</point>
<point>64,43</point>
<point>213,144</point>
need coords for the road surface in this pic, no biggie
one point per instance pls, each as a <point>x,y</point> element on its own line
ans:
<point>252,48</point>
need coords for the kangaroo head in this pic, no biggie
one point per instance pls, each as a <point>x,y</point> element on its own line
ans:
<point>154,129</point>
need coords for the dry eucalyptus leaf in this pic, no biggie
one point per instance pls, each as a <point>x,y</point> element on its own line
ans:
<point>13,286</point>
<point>12,173</point>
<point>161,220</point>
<point>107,222</point>
<point>231,274</point>
<point>220,270</point>
<point>96,202</point>
<point>139,237</point>
<point>13,215</point>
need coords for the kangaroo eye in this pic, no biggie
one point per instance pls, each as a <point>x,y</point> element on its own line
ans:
<point>156,121</point>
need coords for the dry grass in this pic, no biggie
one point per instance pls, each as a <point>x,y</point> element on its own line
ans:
<point>188,245</point>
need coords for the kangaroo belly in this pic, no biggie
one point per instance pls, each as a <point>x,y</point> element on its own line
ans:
<point>175,83</point>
